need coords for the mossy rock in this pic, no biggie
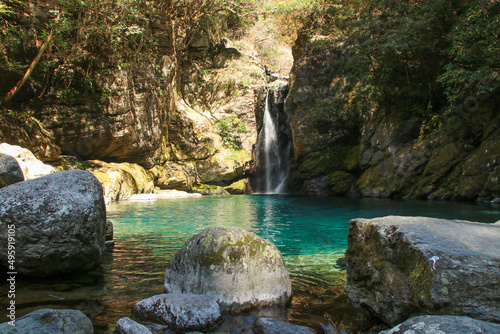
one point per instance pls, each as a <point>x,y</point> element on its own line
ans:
<point>401,266</point>
<point>323,162</point>
<point>237,267</point>
<point>208,189</point>
<point>237,188</point>
<point>340,182</point>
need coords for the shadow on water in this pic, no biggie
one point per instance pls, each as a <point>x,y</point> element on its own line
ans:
<point>311,233</point>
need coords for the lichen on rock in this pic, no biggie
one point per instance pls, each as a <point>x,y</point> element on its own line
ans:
<point>400,267</point>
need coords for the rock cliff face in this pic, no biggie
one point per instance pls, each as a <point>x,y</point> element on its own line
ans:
<point>162,111</point>
<point>339,153</point>
<point>461,162</point>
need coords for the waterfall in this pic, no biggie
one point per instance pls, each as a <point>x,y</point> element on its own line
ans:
<point>276,155</point>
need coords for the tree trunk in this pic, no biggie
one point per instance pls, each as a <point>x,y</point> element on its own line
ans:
<point>30,69</point>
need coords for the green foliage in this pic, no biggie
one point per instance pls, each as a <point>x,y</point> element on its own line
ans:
<point>230,130</point>
<point>417,59</point>
<point>474,53</point>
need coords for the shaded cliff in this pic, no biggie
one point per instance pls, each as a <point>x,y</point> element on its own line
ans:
<point>348,141</point>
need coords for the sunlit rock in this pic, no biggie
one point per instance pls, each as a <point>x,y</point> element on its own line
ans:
<point>30,165</point>
<point>56,224</point>
<point>182,312</point>
<point>400,267</point>
<point>122,180</point>
<point>238,268</point>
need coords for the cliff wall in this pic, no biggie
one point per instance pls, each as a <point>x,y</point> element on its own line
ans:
<point>392,155</point>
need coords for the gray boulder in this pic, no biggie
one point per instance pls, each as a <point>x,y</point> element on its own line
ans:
<point>444,324</point>
<point>10,171</point>
<point>238,268</point>
<point>128,326</point>
<point>47,321</point>
<point>56,224</point>
<point>182,312</point>
<point>399,267</point>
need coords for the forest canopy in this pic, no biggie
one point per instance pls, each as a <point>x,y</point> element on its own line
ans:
<point>420,57</point>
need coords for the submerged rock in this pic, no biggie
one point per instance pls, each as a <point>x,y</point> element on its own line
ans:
<point>235,266</point>
<point>182,312</point>
<point>50,321</point>
<point>55,222</point>
<point>270,326</point>
<point>400,267</point>
<point>443,324</point>
<point>10,171</point>
<point>274,326</point>
<point>30,165</point>
<point>128,326</point>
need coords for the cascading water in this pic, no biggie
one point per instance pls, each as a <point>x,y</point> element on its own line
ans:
<point>276,153</point>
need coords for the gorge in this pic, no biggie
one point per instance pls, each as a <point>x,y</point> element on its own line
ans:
<point>188,109</point>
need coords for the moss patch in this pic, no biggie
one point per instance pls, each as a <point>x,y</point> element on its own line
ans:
<point>340,182</point>
<point>208,189</point>
<point>216,256</point>
<point>420,281</point>
<point>333,159</point>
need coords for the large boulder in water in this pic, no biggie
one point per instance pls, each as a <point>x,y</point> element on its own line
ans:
<point>50,321</point>
<point>399,267</point>
<point>56,224</point>
<point>235,266</point>
<point>10,171</point>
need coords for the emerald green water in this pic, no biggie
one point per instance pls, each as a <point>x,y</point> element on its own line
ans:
<point>310,232</point>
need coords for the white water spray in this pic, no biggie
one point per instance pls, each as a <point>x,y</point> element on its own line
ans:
<point>276,169</point>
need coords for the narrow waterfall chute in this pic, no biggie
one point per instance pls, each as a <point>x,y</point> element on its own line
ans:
<point>275,152</point>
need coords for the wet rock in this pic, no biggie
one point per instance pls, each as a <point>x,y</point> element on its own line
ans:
<point>399,267</point>
<point>238,268</point>
<point>30,165</point>
<point>128,326</point>
<point>182,312</point>
<point>253,325</point>
<point>57,222</point>
<point>10,171</point>
<point>316,187</point>
<point>108,234</point>
<point>274,326</point>
<point>50,321</point>
<point>340,183</point>
<point>443,324</point>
